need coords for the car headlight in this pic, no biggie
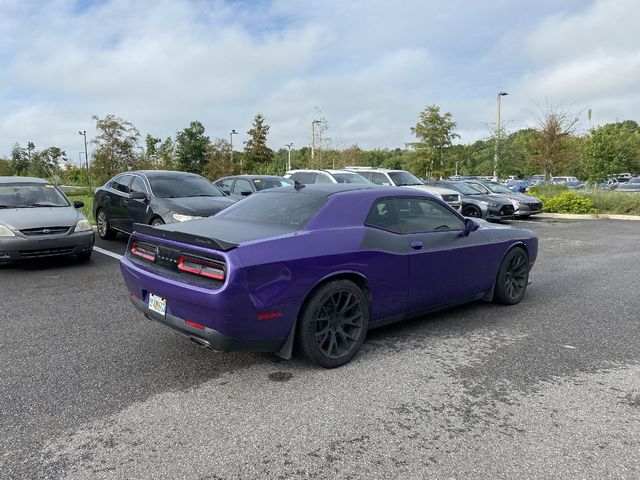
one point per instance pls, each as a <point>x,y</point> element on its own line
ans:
<point>184,218</point>
<point>5,232</point>
<point>83,226</point>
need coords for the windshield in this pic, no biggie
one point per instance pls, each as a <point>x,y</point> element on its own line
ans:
<point>497,188</point>
<point>265,183</point>
<point>289,208</point>
<point>349,178</point>
<point>465,188</point>
<point>404,178</point>
<point>31,195</point>
<point>180,186</point>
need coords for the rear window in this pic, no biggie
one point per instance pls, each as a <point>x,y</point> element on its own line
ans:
<point>295,209</point>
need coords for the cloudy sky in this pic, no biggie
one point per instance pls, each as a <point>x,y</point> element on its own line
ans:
<point>367,66</point>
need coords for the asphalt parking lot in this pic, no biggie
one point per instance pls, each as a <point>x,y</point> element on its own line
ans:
<point>549,388</point>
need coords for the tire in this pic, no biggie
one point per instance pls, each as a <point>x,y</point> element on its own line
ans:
<point>513,277</point>
<point>84,257</point>
<point>471,211</point>
<point>105,231</point>
<point>156,222</point>
<point>333,324</point>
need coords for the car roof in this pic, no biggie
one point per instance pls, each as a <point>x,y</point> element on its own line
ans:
<point>18,179</point>
<point>159,173</point>
<point>323,170</point>
<point>252,177</point>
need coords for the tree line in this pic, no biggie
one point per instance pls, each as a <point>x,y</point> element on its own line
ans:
<point>552,147</point>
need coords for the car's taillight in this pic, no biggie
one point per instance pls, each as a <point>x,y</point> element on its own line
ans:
<point>144,251</point>
<point>199,266</point>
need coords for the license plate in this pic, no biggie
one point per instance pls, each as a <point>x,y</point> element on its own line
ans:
<point>157,304</point>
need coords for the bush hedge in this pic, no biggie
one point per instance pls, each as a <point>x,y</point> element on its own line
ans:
<point>567,202</point>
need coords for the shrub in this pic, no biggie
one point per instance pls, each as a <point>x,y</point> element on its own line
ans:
<point>615,202</point>
<point>547,190</point>
<point>568,202</point>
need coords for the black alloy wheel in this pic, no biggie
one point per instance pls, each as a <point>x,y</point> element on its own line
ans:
<point>471,211</point>
<point>334,324</point>
<point>104,229</point>
<point>513,277</point>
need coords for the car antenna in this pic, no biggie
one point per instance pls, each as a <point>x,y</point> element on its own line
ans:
<point>297,185</point>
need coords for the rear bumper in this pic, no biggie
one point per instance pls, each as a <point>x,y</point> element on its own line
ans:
<point>208,337</point>
<point>19,248</point>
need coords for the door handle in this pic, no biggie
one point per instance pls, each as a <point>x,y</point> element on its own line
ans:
<point>416,245</point>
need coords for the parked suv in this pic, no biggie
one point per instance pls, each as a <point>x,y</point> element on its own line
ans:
<point>324,176</point>
<point>402,178</point>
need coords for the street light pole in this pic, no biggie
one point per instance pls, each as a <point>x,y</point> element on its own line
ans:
<point>86,155</point>
<point>313,138</point>
<point>495,153</point>
<point>289,145</point>
<point>231,134</point>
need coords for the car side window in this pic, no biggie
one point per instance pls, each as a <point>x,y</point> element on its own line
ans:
<point>240,186</point>
<point>379,178</point>
<point>305,177</point>
<point>383,215</point>
<point>122,183</point>
<point>138,185</point>
<point>418,215</point>
<point>323,178</point>
<point>224,185</point>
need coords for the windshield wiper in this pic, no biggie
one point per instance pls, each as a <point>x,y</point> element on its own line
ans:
<point>45,204</point>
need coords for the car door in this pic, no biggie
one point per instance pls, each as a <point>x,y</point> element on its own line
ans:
<point>445,266</point>
<point>379,178</point>
<point>137,210</point>
<point>225,184</point>
<point>117,211</point>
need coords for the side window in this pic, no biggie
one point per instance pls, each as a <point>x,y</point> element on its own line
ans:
<point>305,177</point>
<point>383,215</point>
<point>122,183</point>
<point>366,175</point>
<point>138,185</point>
<point>224,185</point>
<point>242,185</point>
<point>379,178</point>
<point>417,215</point>
<point>323,178</point>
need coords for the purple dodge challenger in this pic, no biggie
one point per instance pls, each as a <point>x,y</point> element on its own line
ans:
<point>319,265</point>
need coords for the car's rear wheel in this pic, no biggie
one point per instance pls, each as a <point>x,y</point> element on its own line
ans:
<point>333,324</point>
<point>104,229</point>
<point>513,277</point>
<point>471,211</point>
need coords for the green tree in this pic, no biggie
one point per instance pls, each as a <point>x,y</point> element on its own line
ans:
<point>19,160</point>
<point>219,163</point>
<point>191,148</point>
<point>435,133</point>
<point>114,146</point>
<point>257,154</point>
<point>611,149</point>
<point>551,144</point>
<point>6,167</point>
<point>167,154</point>
<point>47,163</point>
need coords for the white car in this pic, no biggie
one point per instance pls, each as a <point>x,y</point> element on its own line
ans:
<point>309,176</point>
<point>402,178</point>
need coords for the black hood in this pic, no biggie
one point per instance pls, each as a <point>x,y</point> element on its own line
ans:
<point>197,206</point>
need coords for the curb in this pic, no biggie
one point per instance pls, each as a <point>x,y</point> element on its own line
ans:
<point>595,216</point>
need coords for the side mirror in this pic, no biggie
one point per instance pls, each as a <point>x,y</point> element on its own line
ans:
<point>245,193</point>
<point>469,226</point>
<point>138,195</point>
<point>78,204</point>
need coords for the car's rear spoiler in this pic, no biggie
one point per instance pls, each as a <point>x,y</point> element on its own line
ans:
<point>190,239</point>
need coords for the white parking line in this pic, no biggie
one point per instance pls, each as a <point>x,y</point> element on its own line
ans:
<point>107,253</point>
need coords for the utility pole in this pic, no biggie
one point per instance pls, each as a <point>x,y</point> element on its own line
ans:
<point>288,145</point>
<point>86,155</point>
<point>313,138</point>
<point>231,134</point>
<point>495,153</point>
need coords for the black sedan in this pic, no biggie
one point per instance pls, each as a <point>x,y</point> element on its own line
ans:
<point>478,204</point>
<point>37,220</point>
<point>240,186</point>
<point>154,197</point>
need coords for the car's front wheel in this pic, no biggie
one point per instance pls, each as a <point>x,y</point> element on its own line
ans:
<point>471,211</point>
<point>104,229</point>
<point>156,222</point>
<point>513,277</point>
<point>333,324</point>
